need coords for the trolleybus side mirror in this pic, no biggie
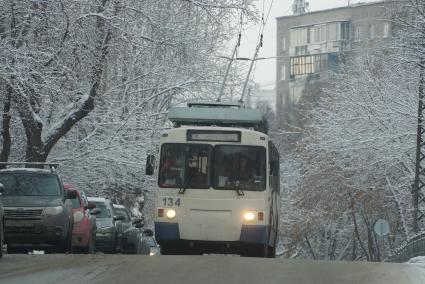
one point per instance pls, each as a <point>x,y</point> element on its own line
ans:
<point>150,161</point>
<point>1,188</point>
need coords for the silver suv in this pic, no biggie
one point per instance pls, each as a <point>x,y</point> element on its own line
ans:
<point>37,210</point>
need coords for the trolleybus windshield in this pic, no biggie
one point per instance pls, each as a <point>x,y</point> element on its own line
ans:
<point>239,167</point>
<point>184,165</point>
<point>235,167</point>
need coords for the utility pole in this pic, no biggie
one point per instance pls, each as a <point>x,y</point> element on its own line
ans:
<point>419,185</point>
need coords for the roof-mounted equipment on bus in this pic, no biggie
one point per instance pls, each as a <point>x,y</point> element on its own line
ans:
<point>225,114</point>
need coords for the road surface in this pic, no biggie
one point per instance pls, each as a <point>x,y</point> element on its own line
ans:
<point>104,268</point>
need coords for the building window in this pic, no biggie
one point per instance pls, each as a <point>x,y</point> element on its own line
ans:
<point>283,44</point>
<point>320,33</point>
<point>333,31</point>
<point>309,64</point>
<point>372,31</point>
<point>358,34</point>
<point>345,30</point>
<point>386,30</point>
<point>299,36</point>
<point>301,50</point>
<point>283,73</point>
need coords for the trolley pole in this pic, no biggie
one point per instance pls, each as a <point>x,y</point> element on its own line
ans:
<point>228,68</point>
<point>419,185</point>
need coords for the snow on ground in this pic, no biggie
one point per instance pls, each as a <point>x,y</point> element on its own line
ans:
<point>419,261</point>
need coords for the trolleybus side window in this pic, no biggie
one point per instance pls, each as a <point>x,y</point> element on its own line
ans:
<point>239,167</point>
<point>185,166</point>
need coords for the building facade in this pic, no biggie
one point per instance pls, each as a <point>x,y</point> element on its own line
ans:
<point>310,45</point>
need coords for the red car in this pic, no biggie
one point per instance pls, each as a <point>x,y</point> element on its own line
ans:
<point>84,231</point>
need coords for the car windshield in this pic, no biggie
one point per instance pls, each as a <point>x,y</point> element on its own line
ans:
<point>104,210</point>
<point>122,212</point>
<point>184,165</point>
<point>239,167</point>
<point>30,184</point>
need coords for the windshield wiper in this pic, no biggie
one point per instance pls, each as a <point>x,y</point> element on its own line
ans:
<point>182,190</point>
<point>239,191</point>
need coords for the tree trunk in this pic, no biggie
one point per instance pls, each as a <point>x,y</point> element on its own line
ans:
<point>7,141</point>
<point>356,229</point>
<point>310,247</point>
<point>37,149</point>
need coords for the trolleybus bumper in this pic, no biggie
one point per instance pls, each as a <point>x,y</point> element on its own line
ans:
<point>167,231</point>
<point>256,234</point>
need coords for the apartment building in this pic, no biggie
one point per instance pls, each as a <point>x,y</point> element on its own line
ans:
<point>309,45</point>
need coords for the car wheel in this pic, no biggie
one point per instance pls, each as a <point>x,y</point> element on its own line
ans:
<point>1,240</point>
<point>91,246</point>
<point>67,247</point>
<point>116,248</point>
<point>138,249</point>
<point>272,252</point>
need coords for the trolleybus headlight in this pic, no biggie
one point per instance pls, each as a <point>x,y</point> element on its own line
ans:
<point>171,213</point>
<point>249,216</point>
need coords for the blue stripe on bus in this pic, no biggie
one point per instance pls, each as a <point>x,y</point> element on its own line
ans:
<point>167,231</point>
<point>254,234</point>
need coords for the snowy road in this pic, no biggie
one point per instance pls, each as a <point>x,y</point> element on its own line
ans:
<point>198,269</point>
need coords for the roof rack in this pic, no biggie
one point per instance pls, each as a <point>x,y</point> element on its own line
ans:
<point>52,166</point>
<point>226,114</point>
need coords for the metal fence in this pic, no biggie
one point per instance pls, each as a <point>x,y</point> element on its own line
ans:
<point>412,247</point>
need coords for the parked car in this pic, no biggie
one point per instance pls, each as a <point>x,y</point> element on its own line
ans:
<point>37,210</point>
<point>128,233</point>
<point>134,237</point>
<point>106,234</point>
<point>148,244</point>
<point>1,221</point>
<point>84,231</point>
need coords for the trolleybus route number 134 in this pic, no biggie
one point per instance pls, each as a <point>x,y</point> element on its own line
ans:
<point>171,201</point>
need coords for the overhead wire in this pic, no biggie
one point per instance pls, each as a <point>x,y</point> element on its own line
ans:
<point>257,49</point>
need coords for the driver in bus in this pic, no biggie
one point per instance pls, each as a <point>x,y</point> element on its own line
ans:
<point>242,173</point>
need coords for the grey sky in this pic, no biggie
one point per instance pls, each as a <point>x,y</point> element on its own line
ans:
<point>266,69</point>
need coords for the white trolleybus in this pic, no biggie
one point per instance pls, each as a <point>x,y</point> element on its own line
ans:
<point>218,182</point>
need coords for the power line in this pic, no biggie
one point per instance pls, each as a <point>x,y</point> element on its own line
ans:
<point>257,49</point>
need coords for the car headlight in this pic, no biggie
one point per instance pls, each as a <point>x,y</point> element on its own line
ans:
<point>153,251</point>
<point>105,230</point>
<point>171,213</point>
<point>78,216</point>
<point>53,210</point>
<point>249,216</point>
